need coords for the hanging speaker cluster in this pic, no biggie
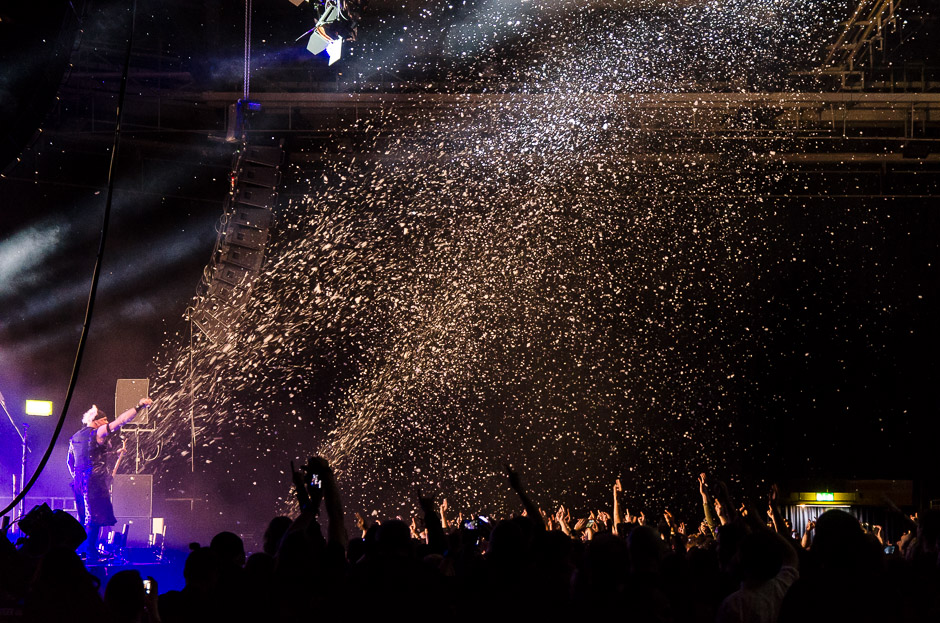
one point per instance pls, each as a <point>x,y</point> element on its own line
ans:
<point>239,255</point>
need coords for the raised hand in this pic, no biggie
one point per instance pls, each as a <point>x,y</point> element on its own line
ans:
<point>618,517</point>
<point>579,526</point>
<point>319,467</point>
<point>703,486</point>
<point>300,486</point>
<point>561,521</point>
<point>806,541</point>
<point>514,481</point>
<point>426,503</point>
<point>727,506</point>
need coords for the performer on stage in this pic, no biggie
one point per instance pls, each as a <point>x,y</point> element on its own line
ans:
<point>88,464</point>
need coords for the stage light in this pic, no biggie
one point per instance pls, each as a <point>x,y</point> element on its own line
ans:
<point>336,22</point>
<point>320,41</point>
<point>39,407</point>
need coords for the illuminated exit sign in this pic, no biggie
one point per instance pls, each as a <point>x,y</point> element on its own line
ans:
<point>825,497</point>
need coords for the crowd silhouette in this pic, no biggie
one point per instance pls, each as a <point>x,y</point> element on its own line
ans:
<point>742,562</point>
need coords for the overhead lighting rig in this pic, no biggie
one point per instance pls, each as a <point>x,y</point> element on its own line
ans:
<point>336,22</point>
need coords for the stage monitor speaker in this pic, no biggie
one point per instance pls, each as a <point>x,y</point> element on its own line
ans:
<point>132,496</point>
<point>138,531</point>
<point>126,396</point>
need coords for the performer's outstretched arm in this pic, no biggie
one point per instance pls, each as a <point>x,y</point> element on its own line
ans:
<point>103,431</point>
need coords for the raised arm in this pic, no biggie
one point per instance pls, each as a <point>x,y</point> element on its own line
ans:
<point>775,515</point>
<point>707,503</point>
<point>436,538</point>
<point>807,541</point>
<point>301,483</point>
<point>443,511</point>
<point>618,519</point>
<point>561,521</point>
<point>336,530</point>
<point>531,509</point>
<point>724,505</point>
<point>103,431</point>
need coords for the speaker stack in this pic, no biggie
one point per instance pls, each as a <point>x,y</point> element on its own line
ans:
<point>239,254</point>
<point>132,498</point>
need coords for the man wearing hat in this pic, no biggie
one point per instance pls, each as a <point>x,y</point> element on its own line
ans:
<point>88,464</point>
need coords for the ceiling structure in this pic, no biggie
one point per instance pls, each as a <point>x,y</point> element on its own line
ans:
<point>882,124</point>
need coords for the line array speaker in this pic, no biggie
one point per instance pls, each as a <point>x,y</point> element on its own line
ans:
<point>239,254</point>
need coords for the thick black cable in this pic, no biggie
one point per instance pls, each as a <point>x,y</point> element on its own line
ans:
<point>89,308</point>
<point>247,79</point>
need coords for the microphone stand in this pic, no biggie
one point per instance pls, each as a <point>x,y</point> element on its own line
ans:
<point>23,467</point>
<point>23,437</point>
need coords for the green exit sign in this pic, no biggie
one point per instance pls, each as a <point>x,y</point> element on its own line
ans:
<point>825,497</point>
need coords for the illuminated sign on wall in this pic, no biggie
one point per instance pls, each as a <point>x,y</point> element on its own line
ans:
<point>825,497</point>
<point>39,407</point>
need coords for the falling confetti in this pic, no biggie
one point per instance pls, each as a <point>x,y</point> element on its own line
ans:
<point>544,276</point>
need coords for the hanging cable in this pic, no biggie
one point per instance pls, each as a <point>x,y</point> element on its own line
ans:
<point>89,307</point>
<point>247,49</point>
<point>192,400</point>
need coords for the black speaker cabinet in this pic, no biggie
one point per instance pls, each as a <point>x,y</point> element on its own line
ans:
<point>138,529</point>
<point>126,396</point>
<point>132,495</point>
